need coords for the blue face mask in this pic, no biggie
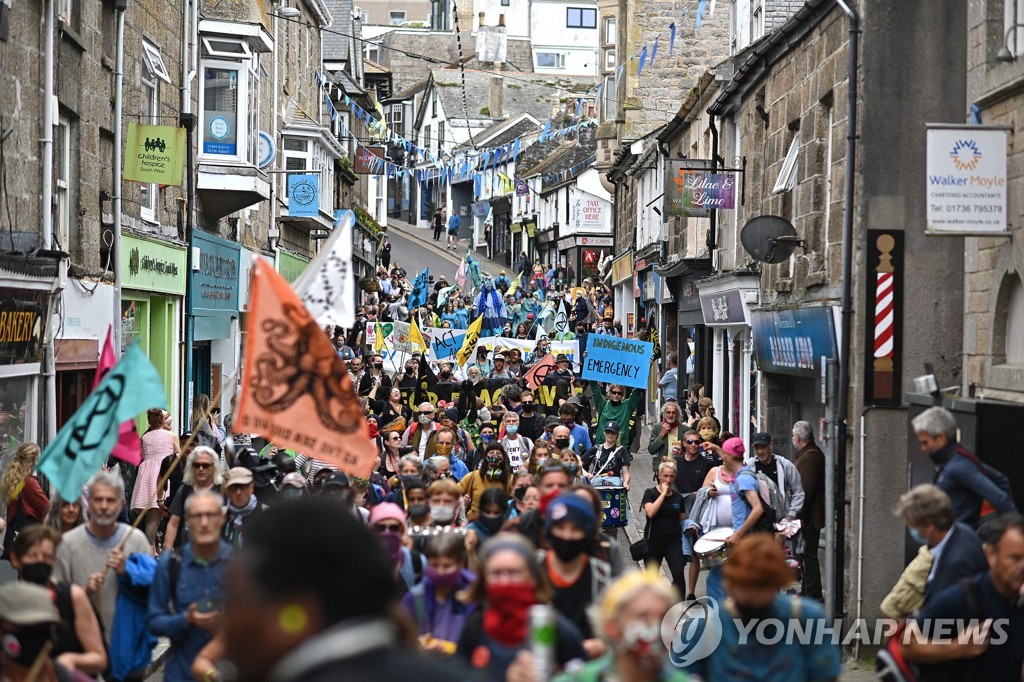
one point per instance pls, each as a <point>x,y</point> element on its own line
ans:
<point>916,537</point>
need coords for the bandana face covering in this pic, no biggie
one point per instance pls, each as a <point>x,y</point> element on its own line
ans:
<point>508,605</point>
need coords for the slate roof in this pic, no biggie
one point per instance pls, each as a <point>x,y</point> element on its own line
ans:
<point>408,66</point>
<point>336,46</point>
<point>532,94</point>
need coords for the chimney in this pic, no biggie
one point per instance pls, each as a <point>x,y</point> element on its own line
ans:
<point>496,97</point>
<point>481,19</point>
<point>501,20</point>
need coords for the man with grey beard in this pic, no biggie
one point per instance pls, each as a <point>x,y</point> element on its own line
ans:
<point>87,553</point>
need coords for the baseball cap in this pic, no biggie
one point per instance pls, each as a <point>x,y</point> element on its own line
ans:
<point>23,603</point>
<point>499,356</point>
<point>573,508</point>
<point>294,479</point>
<point>761,438</point>
<point>612,426</point>
<point>238,476</point>
<point>337,479</point>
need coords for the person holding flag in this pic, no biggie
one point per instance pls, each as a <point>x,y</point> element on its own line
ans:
<point>420,290</point>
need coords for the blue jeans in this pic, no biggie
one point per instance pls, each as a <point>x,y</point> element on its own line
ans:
<point>715,584</point>
<point>687,537</point>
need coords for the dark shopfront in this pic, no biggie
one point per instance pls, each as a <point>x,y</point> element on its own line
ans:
<point>501,230</point>
<point>684,319</point>
<point>582,254</point>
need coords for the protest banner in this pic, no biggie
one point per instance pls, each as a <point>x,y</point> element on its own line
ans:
<point>488,390</point>
<point>86,440</point>
<point>326,286</point>
<point>526,346</point>
<point>619,361</point>
<point>400,337</point>
<point>444,343</point>
<point>296,390</point>
<point>539,373</point>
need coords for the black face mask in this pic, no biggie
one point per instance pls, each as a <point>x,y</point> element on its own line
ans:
<point>519,493</point>
<point>527,407</point>
<point>567,550</point>
<point>491,523</point>
<point>410,370</point>
<point>378,365</point>
<point>562,443</point>
<point>38,573</point>
<point>419,509</point>
<point>25,645</point>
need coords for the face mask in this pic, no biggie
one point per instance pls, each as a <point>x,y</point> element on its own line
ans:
<point>527,407</point>
<point>519,493</point>
<point>937,457</point>
<point>410,370</point>
<point>707,434</point>
<point>487,437</point>
<point>38,573</point>
<point>378,365</point>
<point>512,429</point>
<point>562,443</point>
<point>425,419</point>
<point>642,643</point>
<point>917,537</point>
<point>491,522</point>
<point>444,449</point>
<point>443,581</point>
<point>567,550</point>
<point>484,414</point>
<point>505,618</point>
<point>568,422</point>
<point>289,493</point>
<point>391,543</point>
<point>442,513</point>
<point>419,509</point>
<point>25,645</point>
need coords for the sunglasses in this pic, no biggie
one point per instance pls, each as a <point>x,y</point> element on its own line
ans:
<point>617,393</point>
<point>426,414</point>
<point>693,442</point>
<point>201,465</point>
<point>388,527</point>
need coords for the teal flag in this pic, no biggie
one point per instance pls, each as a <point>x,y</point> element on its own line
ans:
<point>85,442</point>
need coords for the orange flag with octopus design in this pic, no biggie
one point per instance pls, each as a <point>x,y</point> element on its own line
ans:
<point>296,390</point>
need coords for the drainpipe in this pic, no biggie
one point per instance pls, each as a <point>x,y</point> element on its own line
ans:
<point>273,234</point>
<point>49,362</point>
<point>843,397</point>
<point>712,241</point>
<point>189,121</point>
<point>118,182</point>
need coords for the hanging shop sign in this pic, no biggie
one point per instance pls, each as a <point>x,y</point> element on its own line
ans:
<point>531,229</point>
<point>794,341</point>
<point>23,315</point>
<point>367,160</point>
<point>693,193</point>
<point>723,308</point>
<point>304,196</point>
<point>622,268</point>
<point>480,208</point>
<point>215,275</point>
<point>883,341</point>
<point>267,151</point>
<point>154,154</point>
<point>148,265</point>
<point>966,180</point>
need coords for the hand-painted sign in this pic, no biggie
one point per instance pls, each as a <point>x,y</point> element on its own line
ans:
<point>620,361</point>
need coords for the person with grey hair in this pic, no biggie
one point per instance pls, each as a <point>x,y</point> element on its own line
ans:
<point>437,467</point>
<point>810,462</point>
<point>955,547</point>
<point>966,479</point>
<point>88,552</point>
<point>202,472</point>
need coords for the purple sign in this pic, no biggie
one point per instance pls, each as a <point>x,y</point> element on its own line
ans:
<point>695,193</point>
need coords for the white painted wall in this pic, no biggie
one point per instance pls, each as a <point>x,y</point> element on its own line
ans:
<point>517,16</point>
<point>550,34</point>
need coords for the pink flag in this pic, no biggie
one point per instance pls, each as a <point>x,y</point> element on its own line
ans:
<point>460,275</point>
<point>128,449</point>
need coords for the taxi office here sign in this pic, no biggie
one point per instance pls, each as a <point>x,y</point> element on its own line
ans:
<point>966,180</point>
<point>154,154</point>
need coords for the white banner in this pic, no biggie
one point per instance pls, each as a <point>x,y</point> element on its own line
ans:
<point>327,285</point>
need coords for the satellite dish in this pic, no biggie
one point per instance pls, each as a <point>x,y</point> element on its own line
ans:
<point>770,239</point>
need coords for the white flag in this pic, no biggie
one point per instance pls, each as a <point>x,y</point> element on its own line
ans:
<point>326,286</point>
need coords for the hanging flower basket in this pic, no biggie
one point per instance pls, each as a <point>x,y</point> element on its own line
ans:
<point>369,285</point>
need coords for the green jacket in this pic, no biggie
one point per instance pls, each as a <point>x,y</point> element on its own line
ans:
<point>609,412</point>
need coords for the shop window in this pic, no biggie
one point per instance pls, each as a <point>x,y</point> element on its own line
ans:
<point>229,101</point>
<point>1013,18</point>
<point>150,86</point>
<point>17,413</point>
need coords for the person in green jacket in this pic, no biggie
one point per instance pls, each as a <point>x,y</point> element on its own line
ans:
<point>617,408</point>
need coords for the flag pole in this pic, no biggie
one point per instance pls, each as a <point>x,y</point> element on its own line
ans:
<point>170,470</point>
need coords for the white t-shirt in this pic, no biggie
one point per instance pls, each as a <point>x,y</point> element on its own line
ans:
<point>517,451</point>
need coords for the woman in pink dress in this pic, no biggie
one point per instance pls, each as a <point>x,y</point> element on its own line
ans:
<point>157,443</point>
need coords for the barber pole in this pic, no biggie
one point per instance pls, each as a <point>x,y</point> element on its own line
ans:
<point>885,298</point>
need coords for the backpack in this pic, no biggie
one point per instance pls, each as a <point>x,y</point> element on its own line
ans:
<point>891,664</point>
<point>988,511</point>
<point>600,574</point>
<point>768,494</point>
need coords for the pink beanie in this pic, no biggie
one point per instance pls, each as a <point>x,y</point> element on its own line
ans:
<point>734,447</point>
<point>387,510</point>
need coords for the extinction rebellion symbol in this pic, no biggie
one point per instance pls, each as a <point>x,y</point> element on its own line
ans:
<point>965,155</point>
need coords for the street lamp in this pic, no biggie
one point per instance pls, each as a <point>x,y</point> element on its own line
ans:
<point>1004,54</point>
<point>288,12</point>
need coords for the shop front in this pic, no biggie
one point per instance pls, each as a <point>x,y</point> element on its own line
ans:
<point>24,312</point>
<point>153,283</point>
<point>583,254</point>
<point>501,230</point>
<point>215,310</point>
<point>290,265</point>
<point>547,247</point>
<point>621,282</point>
<point>794,350</point>
<point>682,316</point>
<point>725,304</point>
<point>87,313</point>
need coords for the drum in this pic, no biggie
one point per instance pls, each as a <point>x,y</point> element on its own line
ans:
<point>711,547</point>
<point>615,502</point>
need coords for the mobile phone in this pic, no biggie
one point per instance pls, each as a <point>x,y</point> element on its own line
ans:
<point>209,605</point>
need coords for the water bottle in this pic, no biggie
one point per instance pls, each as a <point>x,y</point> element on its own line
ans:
<point>542,640</point>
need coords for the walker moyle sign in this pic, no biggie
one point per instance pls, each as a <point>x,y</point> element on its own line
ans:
<point>965,180</point>
<point>154,154</point>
